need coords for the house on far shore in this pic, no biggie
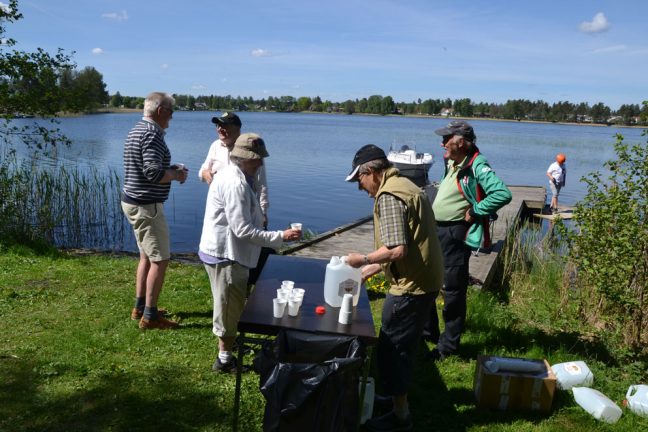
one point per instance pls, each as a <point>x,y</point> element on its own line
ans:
<point>447,112</point>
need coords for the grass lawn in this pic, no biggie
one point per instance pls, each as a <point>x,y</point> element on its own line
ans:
<point>71,358</point>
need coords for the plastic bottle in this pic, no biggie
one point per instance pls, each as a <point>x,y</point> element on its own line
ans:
<point>572,374</point>
<point>341,279</point>
<point>597,404</point>
<point>638,402</point>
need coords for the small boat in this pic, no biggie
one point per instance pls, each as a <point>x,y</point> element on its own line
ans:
<point>411,164</point>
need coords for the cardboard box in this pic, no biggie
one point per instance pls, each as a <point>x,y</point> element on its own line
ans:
<point>508,390</point>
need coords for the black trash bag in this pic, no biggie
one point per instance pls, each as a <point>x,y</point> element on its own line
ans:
<point>310,382</point>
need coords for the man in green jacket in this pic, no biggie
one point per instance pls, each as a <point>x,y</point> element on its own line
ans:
<point>407,250</point>
<point>469,196</point>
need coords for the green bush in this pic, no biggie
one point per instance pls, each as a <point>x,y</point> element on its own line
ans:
<point>608,247</point>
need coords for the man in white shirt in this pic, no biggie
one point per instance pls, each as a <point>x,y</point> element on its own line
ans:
<point>228,127</point>
<point>557,173</point>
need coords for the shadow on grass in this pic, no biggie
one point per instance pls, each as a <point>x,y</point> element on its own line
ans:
<point>507,339</point>
<point>116,401</point>
<point>196,314</point>
<point>436,407</point>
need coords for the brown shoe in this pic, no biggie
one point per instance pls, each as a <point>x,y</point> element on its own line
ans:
<point>137,314</point>
<point>159,323</point>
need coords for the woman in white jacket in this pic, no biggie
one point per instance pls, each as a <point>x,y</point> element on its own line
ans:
<point>231,240</point>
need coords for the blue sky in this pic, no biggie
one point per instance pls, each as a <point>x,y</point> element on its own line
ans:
<point>491,51</point>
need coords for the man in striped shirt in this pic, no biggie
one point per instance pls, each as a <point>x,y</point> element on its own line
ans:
<point>148,174</point>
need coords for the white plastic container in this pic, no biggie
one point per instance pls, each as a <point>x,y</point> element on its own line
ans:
<point>572,374</point>
<point>341,279</point>
<point>638,402</point>
<point>597,404</point>
<point>368,401</point>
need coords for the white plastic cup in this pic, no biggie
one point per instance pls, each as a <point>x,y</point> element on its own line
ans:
<point>288,284</point>
<point>296,297</point>
<point>278,307</point>
<point>299,292</point>
<point>296,226</point>
<point>344,317</point>
<point>282,294</point>
<point>293,307</point>
<point>180,166</point>
<point>347,303</point>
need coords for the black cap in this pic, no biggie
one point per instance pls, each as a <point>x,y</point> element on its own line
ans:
<point>457,127</point>
<point>365,154</point>
<point>227,118</point>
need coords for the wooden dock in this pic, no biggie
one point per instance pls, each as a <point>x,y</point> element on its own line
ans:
<point>358,236</point>
<point>564,212</point>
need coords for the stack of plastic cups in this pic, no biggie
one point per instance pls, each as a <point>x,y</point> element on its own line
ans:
<point>295,301</point>
<point>346,310</point>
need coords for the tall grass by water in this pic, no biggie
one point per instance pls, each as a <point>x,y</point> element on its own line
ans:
<point>66,207</point>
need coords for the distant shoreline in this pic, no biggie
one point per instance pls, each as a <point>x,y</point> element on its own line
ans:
<point>137,110</point>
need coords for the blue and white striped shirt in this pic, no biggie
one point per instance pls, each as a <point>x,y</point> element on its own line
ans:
<point>146,157</point>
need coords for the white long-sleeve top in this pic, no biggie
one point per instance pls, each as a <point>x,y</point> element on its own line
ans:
<point>218,158</point>
<point>233,223</point>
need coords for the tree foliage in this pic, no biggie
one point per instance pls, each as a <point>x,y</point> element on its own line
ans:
<point>29,85</point>
<point>84,91</point>
<point>609,245</point>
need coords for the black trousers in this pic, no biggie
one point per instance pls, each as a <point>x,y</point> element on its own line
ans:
<point>456,257</point>
<point>263,257</point>
<point>403,318</point>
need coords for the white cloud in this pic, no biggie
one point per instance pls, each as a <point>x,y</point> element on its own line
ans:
<point>117,16</point>
<point>598,24</point>
<point>198,87</point>
<point>261,53</point>
<point>5,8</point>
<point>615,48</point>
<point>164,66</point>
<point>97,51</point>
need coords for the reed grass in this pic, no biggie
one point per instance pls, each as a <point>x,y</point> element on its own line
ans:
<point>67,207</point>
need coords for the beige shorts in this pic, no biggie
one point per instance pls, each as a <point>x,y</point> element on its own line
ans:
<point>229,287</point>
<point>150,228</point>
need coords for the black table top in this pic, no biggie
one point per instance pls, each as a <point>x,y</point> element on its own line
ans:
<point>308,273</point>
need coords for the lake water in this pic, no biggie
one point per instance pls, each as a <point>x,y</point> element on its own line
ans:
<point>310,154</point>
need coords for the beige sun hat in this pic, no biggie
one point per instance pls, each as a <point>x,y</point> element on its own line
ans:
<point>249,146</point>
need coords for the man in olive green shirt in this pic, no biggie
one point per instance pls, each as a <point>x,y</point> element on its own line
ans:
<point>407,250</point>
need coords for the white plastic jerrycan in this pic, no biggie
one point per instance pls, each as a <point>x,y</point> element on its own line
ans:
<point>597,404</point>
<point>341,279</point>
<point>638,402</point>
<point>572,374</point>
